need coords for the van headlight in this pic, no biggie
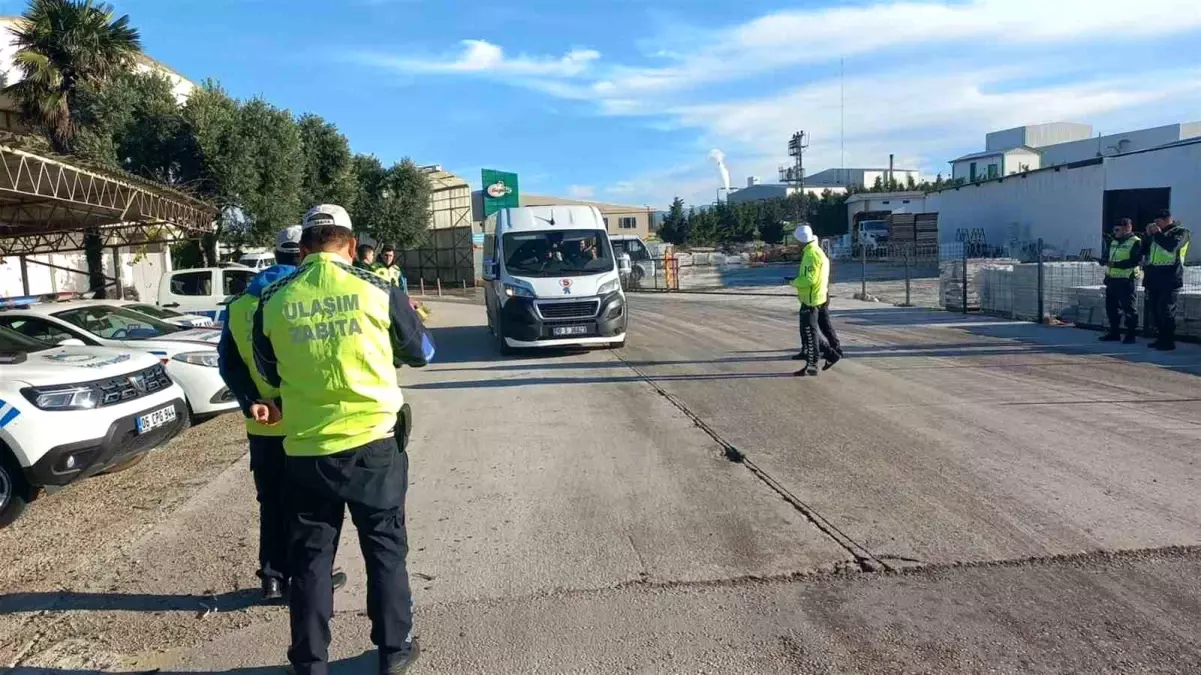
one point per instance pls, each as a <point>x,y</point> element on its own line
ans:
<point>608,287</point>
<point>514,291</point>
<point>208,359</point>
<point>64,398</point>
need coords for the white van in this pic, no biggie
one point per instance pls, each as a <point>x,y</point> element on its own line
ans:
<point>551,279</point>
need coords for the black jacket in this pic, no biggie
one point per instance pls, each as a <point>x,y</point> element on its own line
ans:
<point>1165,277</point>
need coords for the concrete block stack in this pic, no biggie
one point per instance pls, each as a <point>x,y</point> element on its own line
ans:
<point>1090,304</point>
<point>950,281</point>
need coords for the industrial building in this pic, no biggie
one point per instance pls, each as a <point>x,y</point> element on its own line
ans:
<point>864,205</point>
<point>1038,146</point>
<point>619,218</point>
<point>837,181</point>
<point>1070,206</point>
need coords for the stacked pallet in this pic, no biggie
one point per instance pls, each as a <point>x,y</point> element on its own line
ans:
<point>926,229</point>
<point>901,228</point>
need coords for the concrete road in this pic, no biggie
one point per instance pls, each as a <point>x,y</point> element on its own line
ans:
<point>959,495</point>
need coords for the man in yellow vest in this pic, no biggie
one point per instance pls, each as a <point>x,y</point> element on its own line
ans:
<point>258,401</point>
<point>1163,273</point>
<point>331,337</point>
<point>1121,281</point>
<point>813,290</point>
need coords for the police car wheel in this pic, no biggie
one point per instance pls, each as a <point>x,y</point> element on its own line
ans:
<point>126,464</point>
<point>13,490</point>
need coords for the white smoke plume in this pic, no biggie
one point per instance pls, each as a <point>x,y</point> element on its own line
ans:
<point>719,158</point>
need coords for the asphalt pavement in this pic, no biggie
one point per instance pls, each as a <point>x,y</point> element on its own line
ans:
<point>961,494</point>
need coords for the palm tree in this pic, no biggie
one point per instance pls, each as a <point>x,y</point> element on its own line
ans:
<point>62,44</point>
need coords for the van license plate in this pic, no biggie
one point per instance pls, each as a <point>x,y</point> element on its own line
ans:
<point>156,419</point>
<point>565,331</point>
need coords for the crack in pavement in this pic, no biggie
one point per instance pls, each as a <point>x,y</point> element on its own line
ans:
<point>864,558</point>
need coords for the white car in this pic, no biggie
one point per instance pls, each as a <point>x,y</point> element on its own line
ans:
<point>189,355</point>
<point>67,413</point>
<point>258,261</point>
<point>169,315</point>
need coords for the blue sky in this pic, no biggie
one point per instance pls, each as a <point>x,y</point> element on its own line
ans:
<point>623,100</point>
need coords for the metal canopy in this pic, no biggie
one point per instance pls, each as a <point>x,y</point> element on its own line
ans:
<point>47,205</point>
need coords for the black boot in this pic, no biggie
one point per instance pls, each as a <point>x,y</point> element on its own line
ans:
<point>398,664</point>
<point>1111,336</point>
<point>273,589</point>
<point>832,357</point>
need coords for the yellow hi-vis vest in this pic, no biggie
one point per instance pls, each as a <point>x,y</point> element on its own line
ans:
<point>1119,251</point>
<point>329,327</point>
<point>241,327</point>
<point>813,278</point>
<point>1161,256</point>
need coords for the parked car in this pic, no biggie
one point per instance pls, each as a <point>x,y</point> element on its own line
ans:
<point>162,314</point>
<point>640,256</point>
<point>70,412</point>
<point>203,291</point>
<point>189,355</point>
<point>258,261</point>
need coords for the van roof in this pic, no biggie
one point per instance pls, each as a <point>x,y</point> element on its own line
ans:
<point>573,217</point>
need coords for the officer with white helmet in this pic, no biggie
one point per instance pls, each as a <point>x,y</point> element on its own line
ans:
<point>812,285</point>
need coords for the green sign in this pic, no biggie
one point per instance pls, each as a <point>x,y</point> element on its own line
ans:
<point>500,191</point>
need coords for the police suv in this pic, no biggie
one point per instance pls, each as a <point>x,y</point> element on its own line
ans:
<point>70,412</point>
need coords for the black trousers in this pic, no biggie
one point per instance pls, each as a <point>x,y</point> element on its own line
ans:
<point>827,328</point>
<point>1119,305</point>
<point>371,482</point>
<point>813,340</point>
<point>267,467</point>
<point>1161,303</point>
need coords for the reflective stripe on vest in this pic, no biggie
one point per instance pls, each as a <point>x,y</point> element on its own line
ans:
<point>1161,256</point>
<point>241,324</point>
<point>1119,251</point>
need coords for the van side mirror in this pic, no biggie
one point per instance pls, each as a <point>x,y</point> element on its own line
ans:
<point>71,342</point>
<point>491,269</point>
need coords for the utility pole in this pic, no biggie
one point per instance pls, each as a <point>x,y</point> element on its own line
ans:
<point>796,174</point>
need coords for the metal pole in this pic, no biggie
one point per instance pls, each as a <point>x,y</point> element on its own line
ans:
<point>907,297</point>
<point>439,287</point>
<point>1041,309</point>
<point>964,277</point>
<point>117,274</point>
<point>422,284</point>
<point>25,276</point>
<point>862,269</point>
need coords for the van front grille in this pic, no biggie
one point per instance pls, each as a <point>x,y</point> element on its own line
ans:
<point>584,309</point>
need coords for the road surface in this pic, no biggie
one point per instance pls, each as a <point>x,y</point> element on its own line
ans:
<point>960,495</point>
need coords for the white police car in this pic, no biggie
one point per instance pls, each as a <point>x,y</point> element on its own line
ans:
<point>67,413</point>
<point>189,355</point>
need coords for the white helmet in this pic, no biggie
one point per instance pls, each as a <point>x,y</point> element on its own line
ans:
<point>804,234</point>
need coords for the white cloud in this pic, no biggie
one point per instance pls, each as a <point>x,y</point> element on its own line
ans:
<point>581,191</point>
<point>484,58</point>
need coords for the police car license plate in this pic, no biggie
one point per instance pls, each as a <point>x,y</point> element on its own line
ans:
<point>156,419</point>
<point>563,331</point>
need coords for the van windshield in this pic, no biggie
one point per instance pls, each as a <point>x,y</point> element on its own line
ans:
<point>557,253</point>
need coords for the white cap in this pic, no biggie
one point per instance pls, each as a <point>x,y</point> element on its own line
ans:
<point>288,239</point>
<point>804,234</point>
<point>327,214</point>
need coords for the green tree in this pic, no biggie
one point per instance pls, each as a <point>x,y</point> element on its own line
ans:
<point>272,138</point>
<point>134,124</point>
<point>674,224</point>
<point>62,45</point>
<point>702,227</point>
<point>392,204</point>
<point>328,174</point>
<point>771,221</point>
<point>214,161</point>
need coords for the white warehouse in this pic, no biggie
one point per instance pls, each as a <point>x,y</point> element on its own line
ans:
<point>1070,206</point>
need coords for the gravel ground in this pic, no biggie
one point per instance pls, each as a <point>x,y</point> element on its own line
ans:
<point>92,572</point>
